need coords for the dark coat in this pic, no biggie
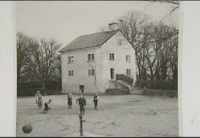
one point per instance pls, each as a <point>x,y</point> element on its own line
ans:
<point>69,100</point>
<point>81,101</point>
<point>95,98</point>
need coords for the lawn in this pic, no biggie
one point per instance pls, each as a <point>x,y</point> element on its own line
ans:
<point>118,115</point>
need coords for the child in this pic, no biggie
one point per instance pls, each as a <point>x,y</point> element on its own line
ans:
<point>36,96</point>
<point>81,88</point>
<point>82,103</point>
<point>39,99</point>
<point>69,100</point>
<point>95,100</point>
<point>46,106</point>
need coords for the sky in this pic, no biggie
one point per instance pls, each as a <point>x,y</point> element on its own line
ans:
<point>66,20</point>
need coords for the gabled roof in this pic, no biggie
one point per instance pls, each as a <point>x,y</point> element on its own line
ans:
<point>88,41</point>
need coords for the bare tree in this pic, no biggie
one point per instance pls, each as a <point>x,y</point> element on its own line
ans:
<point>166,48</point>
<point>131,26</point>
<point>43,58</point>
<point>160,49</point>
<point>156,53</point>
<point>24,44</point>
<point>175,5</point>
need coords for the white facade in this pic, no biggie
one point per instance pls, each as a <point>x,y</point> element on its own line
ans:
<point>100,81</point>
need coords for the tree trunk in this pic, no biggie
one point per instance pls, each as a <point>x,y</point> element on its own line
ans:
<point>44,84</point>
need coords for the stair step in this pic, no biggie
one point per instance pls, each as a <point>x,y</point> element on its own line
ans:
<point>126,85</point>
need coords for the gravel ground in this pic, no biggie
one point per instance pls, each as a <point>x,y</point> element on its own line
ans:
<point>117,115</point>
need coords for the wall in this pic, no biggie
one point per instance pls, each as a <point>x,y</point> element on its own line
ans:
<point>119,64</point>
<point>80,66</point>
<point>101,81</point>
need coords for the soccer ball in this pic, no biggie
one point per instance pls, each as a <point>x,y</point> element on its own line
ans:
<point>27,128</point>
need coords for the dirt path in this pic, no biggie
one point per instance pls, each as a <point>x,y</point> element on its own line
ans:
<point>127,115</point>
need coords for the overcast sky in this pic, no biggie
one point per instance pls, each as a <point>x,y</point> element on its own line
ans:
<point>66,20</point>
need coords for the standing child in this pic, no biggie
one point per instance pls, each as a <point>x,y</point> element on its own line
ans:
<point>39,99</point>
<point>95,100</point>
<point>69,98</point>
<point>36,96</point>
<point>81,88</point>
<point>82,103</point>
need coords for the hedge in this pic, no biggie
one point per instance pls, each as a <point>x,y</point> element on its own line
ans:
<point>117,91</point>
<point>158,84</point>
<point>30,88</point>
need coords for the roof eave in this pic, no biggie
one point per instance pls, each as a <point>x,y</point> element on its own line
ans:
<point>62,50</point>
<point>67,50</point>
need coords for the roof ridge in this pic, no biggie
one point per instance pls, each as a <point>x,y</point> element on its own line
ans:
<point>99,33</point>
<point>104,36</point>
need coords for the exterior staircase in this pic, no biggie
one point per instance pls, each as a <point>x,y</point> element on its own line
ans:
<point>123,84</point>
<point>125,81</point>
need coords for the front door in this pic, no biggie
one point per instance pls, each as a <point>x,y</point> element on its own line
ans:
<point>111,73</point>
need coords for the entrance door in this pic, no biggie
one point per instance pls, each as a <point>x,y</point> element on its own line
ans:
<point>111,73</point>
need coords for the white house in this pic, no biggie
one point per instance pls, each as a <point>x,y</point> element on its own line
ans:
<point>95,60</point>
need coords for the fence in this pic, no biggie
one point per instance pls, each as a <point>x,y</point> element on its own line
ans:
<point>157,84</point>
<point>117,91</point>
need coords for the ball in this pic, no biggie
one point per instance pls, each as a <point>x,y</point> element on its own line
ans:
<point>27,128</point>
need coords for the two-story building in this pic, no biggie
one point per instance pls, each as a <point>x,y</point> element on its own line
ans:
<point>94,60</point>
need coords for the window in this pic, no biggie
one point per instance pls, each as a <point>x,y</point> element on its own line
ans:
<point>128,72</point>
<point>70,73</point>
<point>119,42</point>
<point>111,73</point>
<point>128,58</point>
<point>91,72</point>
<point>111,56</point>
<point>90,57</point>
<point>70,59</point>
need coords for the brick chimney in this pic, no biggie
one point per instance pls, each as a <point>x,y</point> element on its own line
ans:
<point>113,26</point>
